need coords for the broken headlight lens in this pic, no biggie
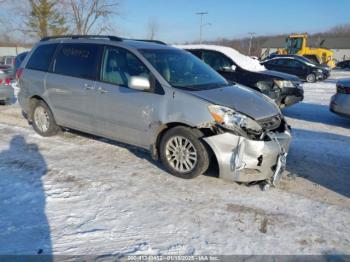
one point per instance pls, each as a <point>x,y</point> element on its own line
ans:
<point>284,83</point>
<point>232,120</point>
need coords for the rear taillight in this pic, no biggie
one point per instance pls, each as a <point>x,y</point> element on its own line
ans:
<point>19,73</point>
<point>343,89</point>
<point>6,81</point>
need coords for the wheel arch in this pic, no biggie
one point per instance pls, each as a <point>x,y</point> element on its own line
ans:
<point>32,101</point>
<point>166,127</point>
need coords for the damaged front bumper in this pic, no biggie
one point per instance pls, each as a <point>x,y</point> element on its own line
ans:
<point>243,160</point>
<point>291,96</point>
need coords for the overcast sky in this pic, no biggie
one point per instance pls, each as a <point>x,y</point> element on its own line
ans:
<point>229,18</point>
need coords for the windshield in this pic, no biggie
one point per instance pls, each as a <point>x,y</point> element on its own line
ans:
<point>294,45</point>
<point>183,70</point>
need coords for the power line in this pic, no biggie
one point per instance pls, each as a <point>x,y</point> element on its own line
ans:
<point>201,14</point>
<point>250,41</point>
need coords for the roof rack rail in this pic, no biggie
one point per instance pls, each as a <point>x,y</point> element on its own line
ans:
<point>150,41</point>
<point>110,37</point>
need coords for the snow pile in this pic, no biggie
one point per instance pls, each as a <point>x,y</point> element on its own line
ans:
<point>241,60</point>
<point>15,87</point>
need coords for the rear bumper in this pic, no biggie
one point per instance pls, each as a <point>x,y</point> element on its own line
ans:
<point>340,104</point>
<point>244,160</point>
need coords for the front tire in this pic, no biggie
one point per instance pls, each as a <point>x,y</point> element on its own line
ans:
<point>183,153</point>
<point>311,78</point>
<point>43,121</point>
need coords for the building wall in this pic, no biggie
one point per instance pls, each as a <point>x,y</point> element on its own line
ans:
<point>12,51</point>
<point>341,54</point>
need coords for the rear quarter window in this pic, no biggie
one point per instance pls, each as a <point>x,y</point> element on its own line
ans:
<point>77,60</point>
<point>41,57</point>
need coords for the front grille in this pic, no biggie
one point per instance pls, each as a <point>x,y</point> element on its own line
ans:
<point>271,123</point>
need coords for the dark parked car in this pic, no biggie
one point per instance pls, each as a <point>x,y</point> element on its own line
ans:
<point>284,89</point>
<point>310,72</point>
<point>326,69</point>
<point>343,65</point>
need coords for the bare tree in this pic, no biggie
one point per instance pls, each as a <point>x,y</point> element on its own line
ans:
<point>340,30</point>
<point>91,15</point>
<point>153,28</point>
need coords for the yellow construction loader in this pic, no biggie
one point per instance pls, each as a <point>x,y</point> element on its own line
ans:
<point>296,44</point>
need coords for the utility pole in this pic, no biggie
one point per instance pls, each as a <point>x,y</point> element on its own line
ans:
<point>251,40</point>
<point>201,25</point>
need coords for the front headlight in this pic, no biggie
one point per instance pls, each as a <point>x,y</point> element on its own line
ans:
<point>232,120</point>
<point>284,83</point>
<point>264,86</point>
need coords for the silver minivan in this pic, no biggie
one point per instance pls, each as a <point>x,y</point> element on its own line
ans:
<point>156,97</point>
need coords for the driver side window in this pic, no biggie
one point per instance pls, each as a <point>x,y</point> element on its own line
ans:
<point>216,60</point>
<point>119,65</point>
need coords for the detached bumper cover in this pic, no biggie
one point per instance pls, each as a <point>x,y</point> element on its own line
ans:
<point>245,160</point>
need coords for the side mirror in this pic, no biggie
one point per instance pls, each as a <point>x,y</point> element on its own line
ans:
<point>139,83</point>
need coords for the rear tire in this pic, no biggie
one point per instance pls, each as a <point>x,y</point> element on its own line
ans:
<point>183,153</point>
<point>311,78</point>
<point>43,121</point>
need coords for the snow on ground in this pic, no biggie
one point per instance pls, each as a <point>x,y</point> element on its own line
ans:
<point>75,194</point>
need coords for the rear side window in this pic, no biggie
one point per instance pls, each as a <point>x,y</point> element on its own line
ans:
<point>216,60</point>
<point>77,60</point>
<point>197,53</point>
<point>41,58</point>
<point>281,62</point>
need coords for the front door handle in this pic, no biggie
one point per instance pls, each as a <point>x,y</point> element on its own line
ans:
<point>88,87</point>
<point>101,90</point>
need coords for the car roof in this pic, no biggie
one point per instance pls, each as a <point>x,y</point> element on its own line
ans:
<point>238,58</point>
<point>108,40</point>
<point>139,44</point>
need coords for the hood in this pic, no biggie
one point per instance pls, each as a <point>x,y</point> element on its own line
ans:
<point>284,76</point>
<point>242,99</point>
<point>324,68</point>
